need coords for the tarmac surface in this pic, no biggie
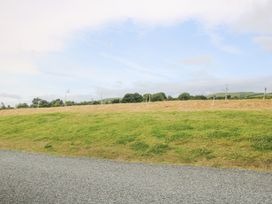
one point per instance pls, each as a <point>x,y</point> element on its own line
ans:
<point>37,178</point>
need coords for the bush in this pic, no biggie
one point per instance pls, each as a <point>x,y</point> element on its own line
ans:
<point>199,97</point>
<point>170,98</point>
<point>184,96</point>
<point>22,105</point>
<point>158,96</point>
<point>37,102</point>
<point>56,103</point>
<point>147,97</point>
<point>132,98</point>
<point>115,100</point>
<point>2,106</point>
<point>69,103</point>
<point>96,102</point>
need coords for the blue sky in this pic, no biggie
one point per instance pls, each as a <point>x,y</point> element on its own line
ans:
<point>144,49</point>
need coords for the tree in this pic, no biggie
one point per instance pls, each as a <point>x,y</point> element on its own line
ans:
<point>69,103</point>
<point>116,100</point>
<point>132,98</point>
<point>56,103</point>
<point>2,106</point>
<point>158,96</point>
<point>200,97</point>
<point>184,96</point>
<point>95,102</point>
<point>147,97</point>
<point>22,105</point>
<point>37,102</point>
<point>170,98</point>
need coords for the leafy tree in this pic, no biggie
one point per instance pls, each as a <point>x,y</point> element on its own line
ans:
<point>56,103</point>
<point>69,103</point>
<point>116,100</point>
<point>170,98</point>
<point>2,106</point>
<point>37,102</point>
<point>132,98</point>
<point>147,97</point>
<point>22,105</point>
<point>158,96</point>
<point>96,102</point>
<point>184,96</point>
<point>200,97</point>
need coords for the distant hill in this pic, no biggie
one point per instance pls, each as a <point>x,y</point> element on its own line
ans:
<point>242,95</point>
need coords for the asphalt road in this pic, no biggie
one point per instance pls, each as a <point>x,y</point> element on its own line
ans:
<point>34,178</point>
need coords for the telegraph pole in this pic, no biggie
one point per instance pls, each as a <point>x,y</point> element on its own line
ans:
<point>65,99</point>
<point>226,92</point>
<point>264,96</point>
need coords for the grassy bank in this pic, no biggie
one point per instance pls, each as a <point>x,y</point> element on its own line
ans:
<point>227,138</point>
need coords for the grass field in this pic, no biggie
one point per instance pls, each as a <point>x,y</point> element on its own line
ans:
<point>220,134</point>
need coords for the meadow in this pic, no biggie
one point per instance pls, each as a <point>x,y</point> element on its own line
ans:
<point>204,133</point>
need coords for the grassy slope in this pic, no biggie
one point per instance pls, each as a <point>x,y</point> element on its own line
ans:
<point>228,138</point>
<point>242,94</point>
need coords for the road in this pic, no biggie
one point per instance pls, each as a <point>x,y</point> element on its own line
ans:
<point>36,178</point>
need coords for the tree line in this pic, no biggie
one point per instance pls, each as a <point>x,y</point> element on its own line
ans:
<point>127,98</point>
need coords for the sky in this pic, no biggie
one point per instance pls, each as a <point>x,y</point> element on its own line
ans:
<point>93,49</point>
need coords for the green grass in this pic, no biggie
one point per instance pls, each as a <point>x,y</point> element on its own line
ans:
<point>242,95</point>
<point>210,138</point>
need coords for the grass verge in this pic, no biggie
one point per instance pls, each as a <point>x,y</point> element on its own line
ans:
<point>209,138</point>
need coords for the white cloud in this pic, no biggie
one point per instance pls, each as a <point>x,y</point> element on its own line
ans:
<point>10,96</point>
<point>198,60</point>
<point>218,42</point>
<point>32,26</point>
<point>9,65</point>
<point>264,41</point>
<point>130,65</point>
<point>204,85</point>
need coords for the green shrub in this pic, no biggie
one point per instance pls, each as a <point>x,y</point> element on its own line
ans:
<point>158,96</point>
<point>184,96</point>
<point>132,98</point>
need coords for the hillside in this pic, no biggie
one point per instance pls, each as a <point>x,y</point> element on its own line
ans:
<point>241,95</point>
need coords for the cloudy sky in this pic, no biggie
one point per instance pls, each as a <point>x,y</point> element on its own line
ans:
<point>105,48</point>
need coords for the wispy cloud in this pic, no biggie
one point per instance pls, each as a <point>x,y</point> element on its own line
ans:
<point>10,96</point>
<point>131,65</point>
<point>198,60</point>
<point>32,26</point>
<point>31,30</point>
<point>264,41</point>
<point>218,41</point>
